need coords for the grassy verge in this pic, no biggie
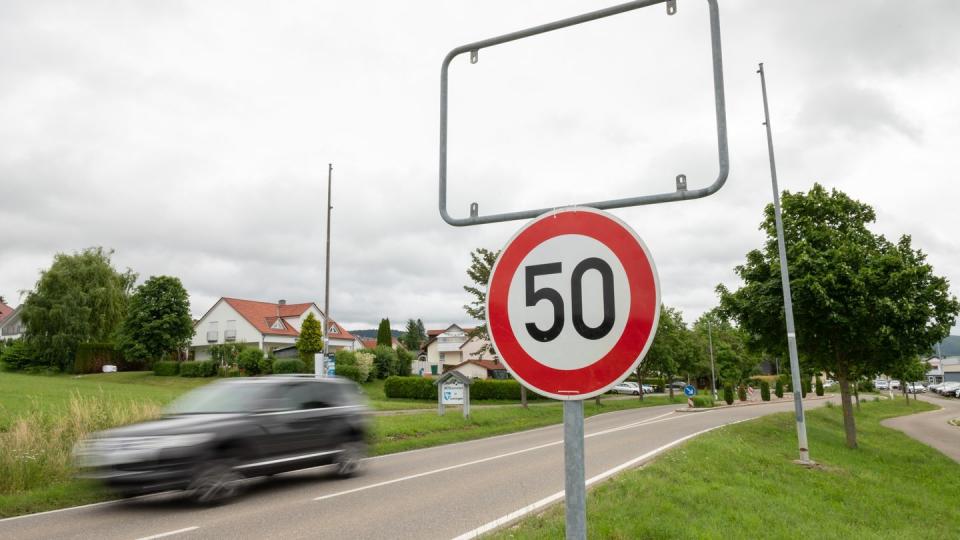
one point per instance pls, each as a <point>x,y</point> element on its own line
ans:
<point>739,482</point>
<point>42,417</point>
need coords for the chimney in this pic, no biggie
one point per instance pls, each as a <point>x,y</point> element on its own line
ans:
<point>282,302</point>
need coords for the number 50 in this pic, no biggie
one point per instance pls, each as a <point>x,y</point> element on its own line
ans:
<point>534,295</point>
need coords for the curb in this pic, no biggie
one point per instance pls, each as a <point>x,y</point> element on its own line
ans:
<point>705,409</point>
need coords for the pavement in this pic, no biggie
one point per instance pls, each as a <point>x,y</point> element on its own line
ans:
<point>451,491</point>
<point>933,427</point>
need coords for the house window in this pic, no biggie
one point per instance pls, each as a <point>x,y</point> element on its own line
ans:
<point>213,332</point>
<point>230,332</point>
<point>278,325</point>
<point>334,329</point>
<point>441,356</point>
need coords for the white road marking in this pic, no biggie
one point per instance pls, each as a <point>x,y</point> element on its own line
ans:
<point>91,505</point>
<point>546,501</point>
<point>655,419</point>
<point>171,533</point>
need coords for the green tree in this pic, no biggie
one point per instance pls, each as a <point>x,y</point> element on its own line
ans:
<point>158,322</point>
<point>734,359</point>
<point>859,301</point>
<point>384,336</point>
<point>80,298</point>
<point>412,339</point>
<point>672,347</point>
<point>310,341</point>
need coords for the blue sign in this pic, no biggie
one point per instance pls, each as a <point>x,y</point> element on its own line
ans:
<point>689,390</point>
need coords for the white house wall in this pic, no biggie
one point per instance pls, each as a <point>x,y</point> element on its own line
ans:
<point>221,313</point>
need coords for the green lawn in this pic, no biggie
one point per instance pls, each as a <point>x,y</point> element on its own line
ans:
<point>740,482</point>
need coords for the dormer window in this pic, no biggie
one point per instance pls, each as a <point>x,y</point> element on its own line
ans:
<point>278,325</point>
<point>334,329</point>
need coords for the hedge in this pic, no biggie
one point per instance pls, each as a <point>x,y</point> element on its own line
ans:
<point>203,368</point>
<point>779,388</point>
<point>765,391</point>
<point>349,371</point>
<point>289,365</point>
<point>249,361</point>
<point>166,369</point>
<point>423,388</point>
<point>702,402</point>
<point>91,357</point>
<point>728,393</point>
<point>819,386</point>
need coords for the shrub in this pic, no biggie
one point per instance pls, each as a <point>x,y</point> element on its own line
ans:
<point>498,389</point>
<point>203,368</point>
<point>349,371</point>
<point>765,391</point>
<point>742,392</point>
<point>265,365</point>
<point>289,365</point>
<point>364,365</point>
<point>804,386</point>
<point>249,361</point>
<point>819,386</point>
<point>384,362</point>
<point>728,393</point>
<point>343,357</point>
<point>404,362</point>
<point>19,356</point>
<point>779,388</point>
<point>866,385</point>
<point>166,369</point>
<point>702,402</point>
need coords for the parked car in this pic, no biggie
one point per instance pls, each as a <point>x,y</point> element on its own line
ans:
<point>948,388</point>
<point>647,389</point>
<point>677,385</point>
<point>894,384</point>
<point>215,437</point>
<point>626,387</point>
<point>880,384</point>
<point>935,387</point>
<point>829,383</point>
<point>916,388</point>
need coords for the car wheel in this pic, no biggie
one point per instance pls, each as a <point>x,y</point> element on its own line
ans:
<point>216,482</point>
<point>637,393</point>
<point>350,459</point>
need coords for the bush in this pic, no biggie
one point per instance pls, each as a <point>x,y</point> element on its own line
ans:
<point>819,386</point>
<point>203,368</point>
<point>249,361</point>
<point>728,393</point>
<point>289,365</point>
<point>349,371</point>
<point>343,357</point>
<point>265,365</point>
<point>804,386</point>
<point>742,392</point>
<point>19,356</point>
<point>866,386</point>
<point>498,389</point>
<point>404,362</point>
<point>779,388</point>
<point>765,391</point>
<point>384,362</point>
<point>364,365</point>
<point>702,402</point>
<point>166,369</point>
<point>409,388</point>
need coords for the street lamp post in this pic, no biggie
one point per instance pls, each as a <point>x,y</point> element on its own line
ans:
<point>785,281</point>
<point>713,371</point>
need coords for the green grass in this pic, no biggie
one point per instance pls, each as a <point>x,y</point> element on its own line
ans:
<point>740,482</point>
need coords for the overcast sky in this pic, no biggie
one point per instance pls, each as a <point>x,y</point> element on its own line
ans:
<point>193,137</point>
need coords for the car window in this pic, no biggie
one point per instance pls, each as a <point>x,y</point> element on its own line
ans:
<point>304,395</point>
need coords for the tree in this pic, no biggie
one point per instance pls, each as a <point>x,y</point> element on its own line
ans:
<point>158,322</point>
<point>310,341</point>
<point>481,264</point>
<point>671,350</point>
<point>733,358</point>
<point>80,298</point>
<point>384,336</point>
<point>859,301</point>
<point>413,337</point>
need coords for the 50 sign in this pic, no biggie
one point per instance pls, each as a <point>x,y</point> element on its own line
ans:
<point>572,303</point>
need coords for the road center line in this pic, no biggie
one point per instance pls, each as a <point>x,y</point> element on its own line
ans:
<point>546,501</point>
<point>170,533</point>
<point>655,419</point>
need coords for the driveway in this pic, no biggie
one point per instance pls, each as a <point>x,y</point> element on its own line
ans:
<point>933,428</point>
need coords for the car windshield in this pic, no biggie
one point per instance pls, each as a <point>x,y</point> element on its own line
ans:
<point>225,397</point>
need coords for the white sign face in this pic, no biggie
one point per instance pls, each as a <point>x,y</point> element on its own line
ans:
<point>451,393</point>
<point>573,303</point>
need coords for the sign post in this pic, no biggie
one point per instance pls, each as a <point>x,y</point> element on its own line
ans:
<point>572,307</point>
<point>453,388</point>
<point>690,391</point>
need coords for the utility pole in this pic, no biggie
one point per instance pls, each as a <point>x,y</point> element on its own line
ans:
<point>320,370</point>
<point>785,280</point>
<point>713,371</point>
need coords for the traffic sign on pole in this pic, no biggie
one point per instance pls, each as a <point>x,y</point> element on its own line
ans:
<point>573,303</point>
<point>690,390</point>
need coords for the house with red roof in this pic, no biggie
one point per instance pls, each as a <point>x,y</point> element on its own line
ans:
<point>449,349</point>
<point>266,325</point>
<point>11,324</point>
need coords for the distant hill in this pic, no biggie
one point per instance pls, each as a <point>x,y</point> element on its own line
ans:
<point>372,333</point>
<point>949,346</point>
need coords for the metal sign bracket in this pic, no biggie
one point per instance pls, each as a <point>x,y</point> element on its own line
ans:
<point>681,192</point>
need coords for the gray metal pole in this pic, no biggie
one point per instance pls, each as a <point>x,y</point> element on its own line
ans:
<point>713,371</point>
<point>785,280</point>
<point>574,477</point>
<point>321,370</point>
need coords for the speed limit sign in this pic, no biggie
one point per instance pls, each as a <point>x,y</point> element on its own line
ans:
<point>573,303</point>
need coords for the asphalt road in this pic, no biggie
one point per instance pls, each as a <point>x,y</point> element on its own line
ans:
<point>442,492</point>
<point>932,427</point>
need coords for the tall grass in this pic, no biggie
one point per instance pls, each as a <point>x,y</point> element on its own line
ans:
<point>35,449</point>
